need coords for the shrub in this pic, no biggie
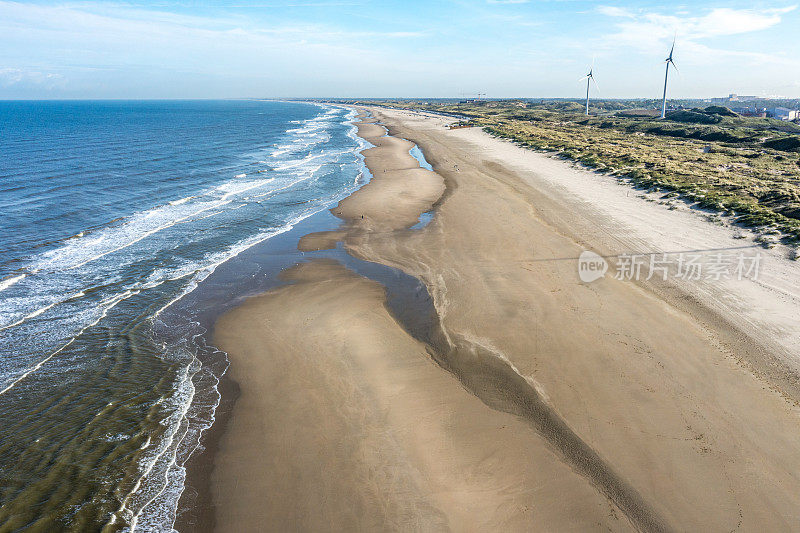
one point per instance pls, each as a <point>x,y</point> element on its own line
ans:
<point>786,144</point>
<point>693,117</point>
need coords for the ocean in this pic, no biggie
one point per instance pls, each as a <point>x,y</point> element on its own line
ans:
<point>113,217</point>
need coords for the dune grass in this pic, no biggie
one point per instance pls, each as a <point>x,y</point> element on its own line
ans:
<point>747,168</point>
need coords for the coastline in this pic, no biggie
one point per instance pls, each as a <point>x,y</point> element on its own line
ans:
<point>409,477</point>
<point>196,509</point>
<point>656,422</point>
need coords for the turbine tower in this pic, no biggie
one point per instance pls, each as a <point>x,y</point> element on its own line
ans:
<point>589,79</point>
<point>669,62</point>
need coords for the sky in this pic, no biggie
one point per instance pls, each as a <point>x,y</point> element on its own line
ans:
<point>411,48</point>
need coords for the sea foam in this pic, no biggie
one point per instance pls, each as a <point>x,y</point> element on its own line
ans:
<point>160,255</point>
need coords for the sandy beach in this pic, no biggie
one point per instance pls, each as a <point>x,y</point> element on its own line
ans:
<point>540,401</point>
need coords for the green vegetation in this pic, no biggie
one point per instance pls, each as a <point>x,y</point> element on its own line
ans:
<point>745,167</point>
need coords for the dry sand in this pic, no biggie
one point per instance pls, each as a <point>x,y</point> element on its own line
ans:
<point>546,403</point>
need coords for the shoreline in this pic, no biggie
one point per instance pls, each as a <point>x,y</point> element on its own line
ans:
<point>196,510</point>
<point>366,213</point>
<point>617,475</point>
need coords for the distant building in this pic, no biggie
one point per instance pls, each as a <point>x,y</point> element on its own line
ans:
<point>783,113</point>
<point>734,98</point>
<point>755,112</point>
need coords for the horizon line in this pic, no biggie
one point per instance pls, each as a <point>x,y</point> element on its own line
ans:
<point>303,98</point>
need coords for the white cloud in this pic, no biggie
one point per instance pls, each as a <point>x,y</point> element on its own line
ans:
<point>725,21</point>
<point>88,35</point>
<point>15,76</point>
<point>614,11</point>
<point>651,31</point>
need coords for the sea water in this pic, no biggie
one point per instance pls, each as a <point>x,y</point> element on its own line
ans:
<point>112,215</point>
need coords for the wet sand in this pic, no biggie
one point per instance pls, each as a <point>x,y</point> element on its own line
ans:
<point>540,403</point>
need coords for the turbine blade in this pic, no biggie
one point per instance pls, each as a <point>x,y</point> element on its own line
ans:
<point>595,85</point>
<point>583,78</point>
<point>674,38</point>
<point>675,67</point>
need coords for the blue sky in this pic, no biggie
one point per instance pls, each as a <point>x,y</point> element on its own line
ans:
<point>357,48</point>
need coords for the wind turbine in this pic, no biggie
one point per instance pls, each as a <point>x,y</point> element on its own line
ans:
<point>669,62</point>
<point>589,78</point>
